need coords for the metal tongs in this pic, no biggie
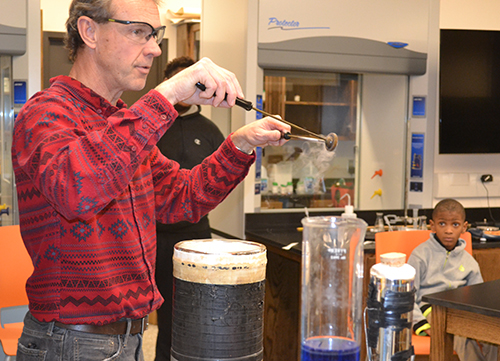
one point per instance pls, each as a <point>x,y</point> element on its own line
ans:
<point>331,140</point>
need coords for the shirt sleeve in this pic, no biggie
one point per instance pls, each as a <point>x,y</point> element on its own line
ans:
<point>474,276</point>
<point>81,160</point>
<point>418,317</point>
<point>182,194</point>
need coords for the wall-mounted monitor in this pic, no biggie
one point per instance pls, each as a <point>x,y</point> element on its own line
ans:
<point>469,96</point>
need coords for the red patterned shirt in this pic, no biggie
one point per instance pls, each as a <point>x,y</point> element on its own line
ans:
<point>91,183</point>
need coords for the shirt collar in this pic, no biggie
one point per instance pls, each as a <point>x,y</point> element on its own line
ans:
<point>458,244</point>
<point>86,94</point>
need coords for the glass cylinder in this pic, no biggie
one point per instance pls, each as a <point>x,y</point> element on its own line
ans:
<point>332,283</point>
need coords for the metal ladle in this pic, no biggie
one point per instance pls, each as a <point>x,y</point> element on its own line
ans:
<point>331,140</point>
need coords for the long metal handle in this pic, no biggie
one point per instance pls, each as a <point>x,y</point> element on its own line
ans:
<point>300,137</point>
<point>247,105</point>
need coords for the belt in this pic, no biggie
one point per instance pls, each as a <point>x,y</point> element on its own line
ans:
<point>115,328</point>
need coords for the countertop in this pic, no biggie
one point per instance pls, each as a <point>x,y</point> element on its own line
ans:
<point>280,232</point>
<point>290,240</point>
<point>481,298</point>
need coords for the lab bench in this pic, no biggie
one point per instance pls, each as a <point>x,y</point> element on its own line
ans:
<point>278,232</point>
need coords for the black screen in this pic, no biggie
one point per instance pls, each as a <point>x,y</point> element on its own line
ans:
<point>469,92</point>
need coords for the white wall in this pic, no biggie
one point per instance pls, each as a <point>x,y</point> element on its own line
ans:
<point>481,15</point>
<point>216,38</point>
<point>426,86</point>
<point>382,144</point>
<point>466,14</point>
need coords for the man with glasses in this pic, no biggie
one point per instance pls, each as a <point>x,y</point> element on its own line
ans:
<point>91,182</point>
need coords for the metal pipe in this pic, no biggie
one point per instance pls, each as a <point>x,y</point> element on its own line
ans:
<point>301,137</point>
<point>330,140</point>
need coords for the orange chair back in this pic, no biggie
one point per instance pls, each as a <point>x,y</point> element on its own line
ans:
<point>406,241</point>
<point>15,267</point>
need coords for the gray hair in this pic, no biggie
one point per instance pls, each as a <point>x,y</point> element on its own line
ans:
<point>98,10</point>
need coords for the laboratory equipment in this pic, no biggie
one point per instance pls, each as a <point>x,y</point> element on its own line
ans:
<point>218,295</point>
<point>379,222</point>
<point>391,296</point>
<point>331,140</point>
<point>332,278</point>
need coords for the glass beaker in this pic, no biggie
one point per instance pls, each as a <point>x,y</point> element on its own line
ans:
<point>379,222</point>
<point>423,223</point>
<point>332,282</point>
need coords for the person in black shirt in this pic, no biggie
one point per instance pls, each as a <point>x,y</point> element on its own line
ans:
<point>190,139</point>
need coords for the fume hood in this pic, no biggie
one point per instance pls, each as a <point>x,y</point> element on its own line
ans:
<point>355,36</point>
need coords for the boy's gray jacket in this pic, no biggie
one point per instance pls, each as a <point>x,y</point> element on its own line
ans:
<point>438,269</point>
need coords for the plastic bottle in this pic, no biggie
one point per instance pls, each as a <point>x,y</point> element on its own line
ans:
<point>275,189</point>
<point>263,180</point>
<point>300,188</point>
<point>308,178</point>
<point>348,209</point>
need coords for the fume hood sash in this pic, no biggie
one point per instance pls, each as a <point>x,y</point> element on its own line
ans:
<point>12,40</point>
<point>340,54</point>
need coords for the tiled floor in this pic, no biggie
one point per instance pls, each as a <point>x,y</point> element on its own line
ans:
<point>149,343</point>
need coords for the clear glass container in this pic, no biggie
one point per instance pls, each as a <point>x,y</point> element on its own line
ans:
<point>332,280</point>
<point>423,223</point>
<point>379,222</point>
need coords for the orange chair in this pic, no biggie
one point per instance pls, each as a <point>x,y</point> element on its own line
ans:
<point>405,242</point>
<point>15,268</point>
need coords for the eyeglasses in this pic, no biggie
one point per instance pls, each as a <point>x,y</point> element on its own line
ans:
<point>141,32</point>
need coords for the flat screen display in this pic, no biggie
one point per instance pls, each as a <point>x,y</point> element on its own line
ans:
<point>469,94</point>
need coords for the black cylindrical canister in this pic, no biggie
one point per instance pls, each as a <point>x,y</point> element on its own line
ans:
<point>218,300</point>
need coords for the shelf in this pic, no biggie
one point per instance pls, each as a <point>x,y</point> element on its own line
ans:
<point>318,103</point>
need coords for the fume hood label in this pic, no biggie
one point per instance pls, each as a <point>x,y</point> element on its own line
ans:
<point>417,155</point>
<point>259,104</point>
<point>20,94</point>
<point>275,23</point>
<point>418,107</point>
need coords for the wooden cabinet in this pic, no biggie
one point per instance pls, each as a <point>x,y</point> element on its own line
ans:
<point>488,259</point>
<point>322,105</point>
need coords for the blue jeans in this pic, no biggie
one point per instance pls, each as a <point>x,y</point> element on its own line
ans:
<point>42,341</point>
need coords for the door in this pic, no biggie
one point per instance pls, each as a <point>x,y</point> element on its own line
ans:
<point>8,196</point>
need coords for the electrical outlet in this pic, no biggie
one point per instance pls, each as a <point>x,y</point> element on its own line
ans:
<point>485,178</point>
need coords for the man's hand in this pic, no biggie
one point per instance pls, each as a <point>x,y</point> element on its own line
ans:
<point>266,131</point>
<point>219,81</point>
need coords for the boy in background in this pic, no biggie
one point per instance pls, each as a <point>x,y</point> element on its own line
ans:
<point>442,263</point>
